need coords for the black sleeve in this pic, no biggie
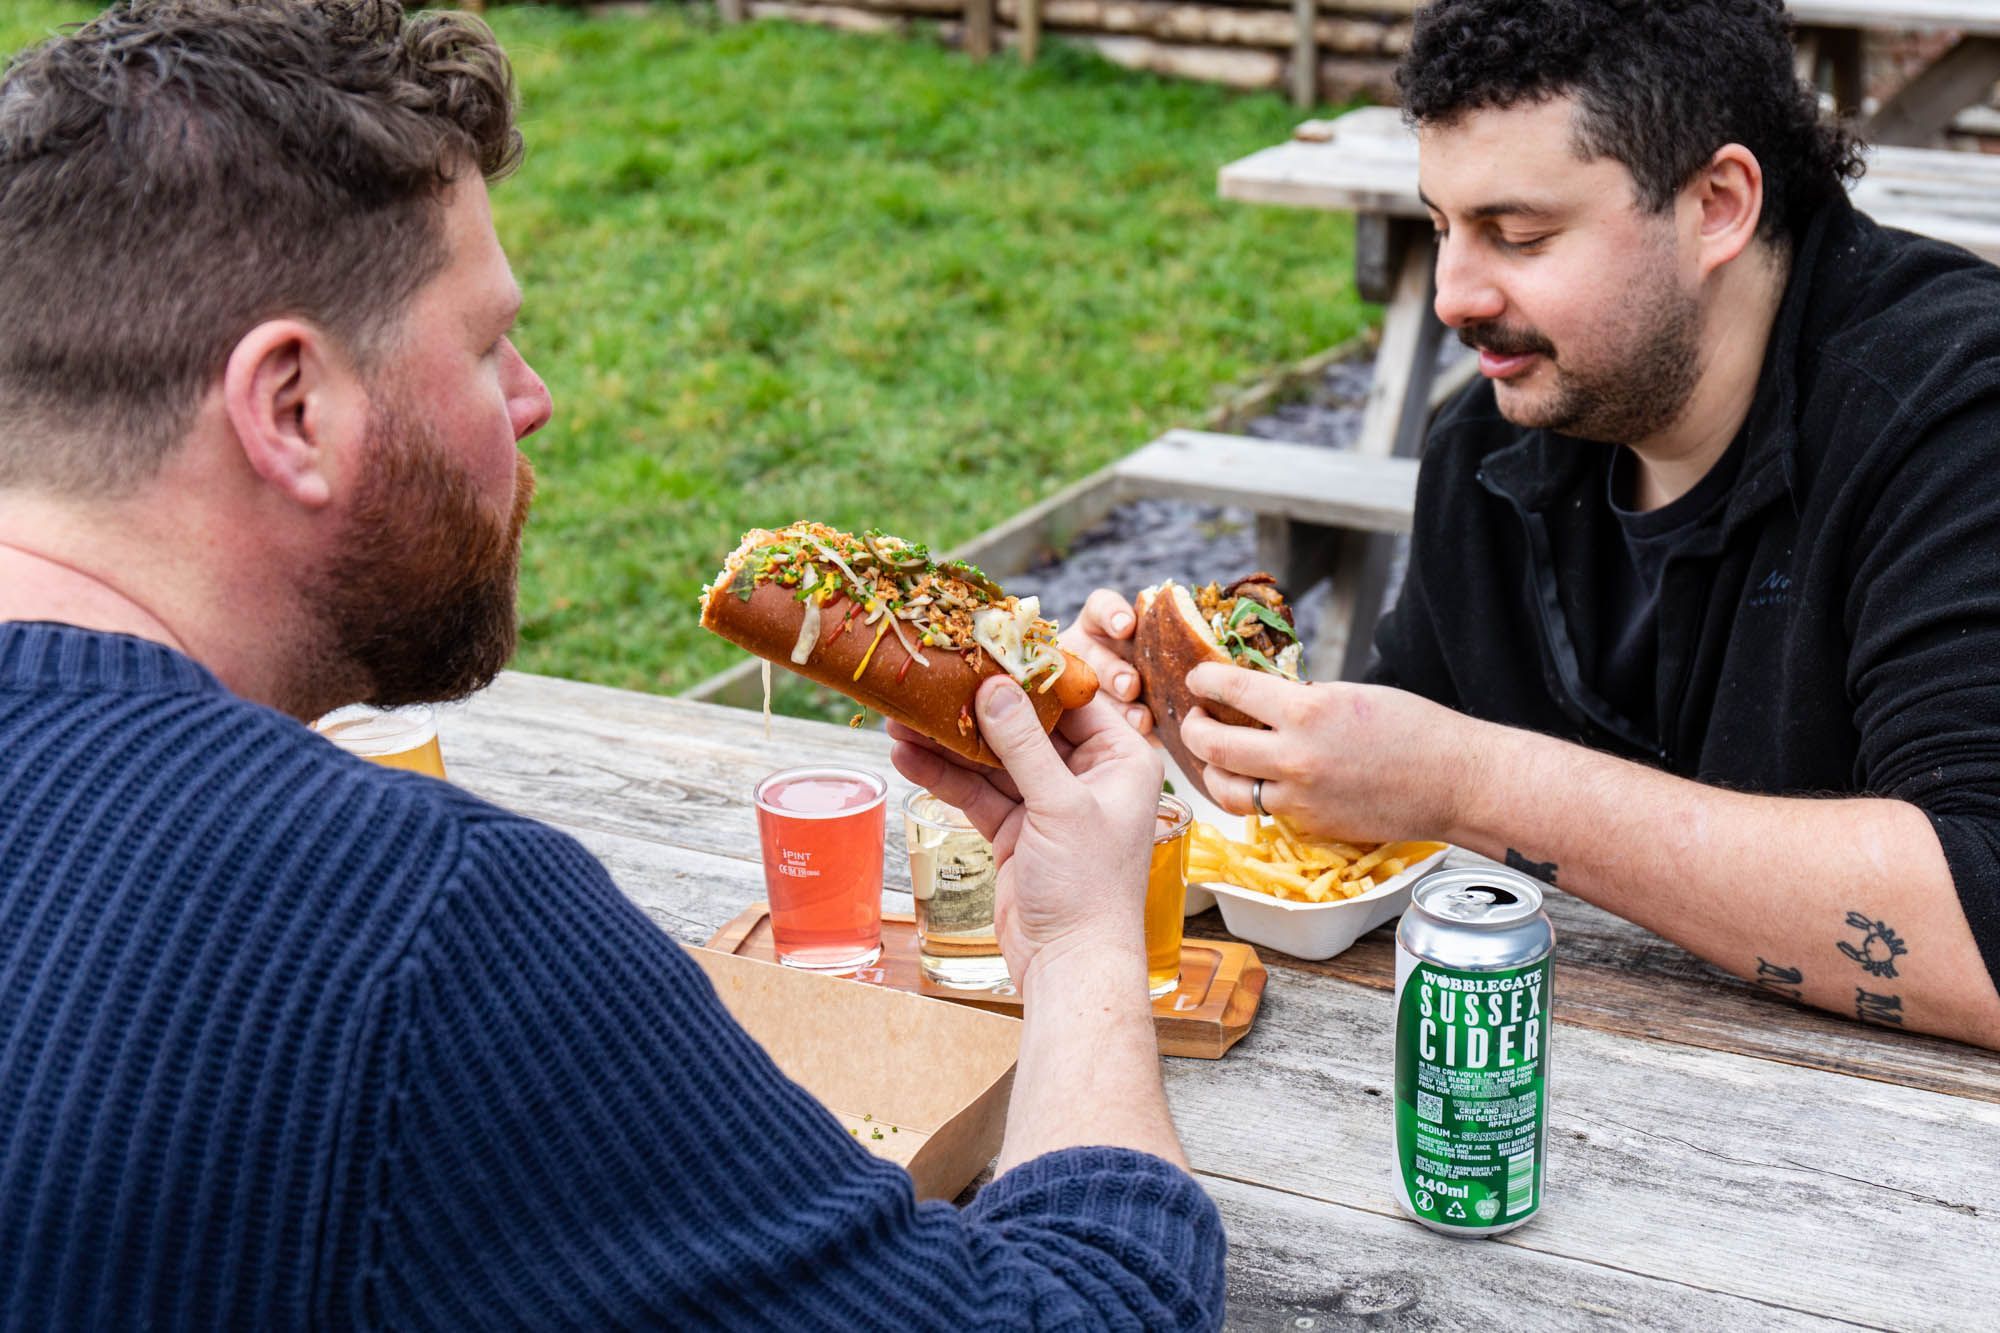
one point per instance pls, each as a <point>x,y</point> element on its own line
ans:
<point>1408,652</point>
<point>1923,625</point>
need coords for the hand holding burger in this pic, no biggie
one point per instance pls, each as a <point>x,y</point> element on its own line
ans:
<point>1362,763</point>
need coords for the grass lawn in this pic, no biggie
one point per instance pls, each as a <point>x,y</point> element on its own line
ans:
<point>777,272</point>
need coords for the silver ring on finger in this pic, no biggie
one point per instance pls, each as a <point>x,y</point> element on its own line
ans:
<point>1257,797</point>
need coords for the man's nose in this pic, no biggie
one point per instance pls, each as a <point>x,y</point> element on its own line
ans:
<point>528,401</point>
<point>1465,295</point>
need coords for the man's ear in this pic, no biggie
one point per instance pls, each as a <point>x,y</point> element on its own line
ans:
<point>1728,198</point>
<point>297,407</point>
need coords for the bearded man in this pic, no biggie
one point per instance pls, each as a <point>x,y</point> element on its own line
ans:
<point>1701,619</point>
<point>290,1040</point>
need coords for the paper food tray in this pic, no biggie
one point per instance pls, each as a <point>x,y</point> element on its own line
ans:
<point>1314,930</point>
<point>920,1082</point>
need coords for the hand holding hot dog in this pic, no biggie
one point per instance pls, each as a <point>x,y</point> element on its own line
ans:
<point>1073,833</point>
<point>1102,636</point>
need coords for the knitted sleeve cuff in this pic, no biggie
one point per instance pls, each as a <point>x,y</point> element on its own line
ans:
<point>1152,1215</point>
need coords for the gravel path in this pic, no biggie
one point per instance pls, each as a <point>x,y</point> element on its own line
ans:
<point>1142,542</point>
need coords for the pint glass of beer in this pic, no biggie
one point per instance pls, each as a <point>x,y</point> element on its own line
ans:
<point>1166,892</point>
<point>392,737</point>
<point>822,830</point>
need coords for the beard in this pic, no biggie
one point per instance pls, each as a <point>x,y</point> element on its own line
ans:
<point>419,604</point>
<point>1647,364</point>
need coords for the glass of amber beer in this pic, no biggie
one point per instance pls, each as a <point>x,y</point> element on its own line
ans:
<point>1166,892</point>
<point>822,830</point>
<point>392,737</point>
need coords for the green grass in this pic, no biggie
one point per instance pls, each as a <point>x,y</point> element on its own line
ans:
<point>777,272</point>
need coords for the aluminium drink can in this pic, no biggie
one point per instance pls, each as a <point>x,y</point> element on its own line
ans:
<point>1474,982</point>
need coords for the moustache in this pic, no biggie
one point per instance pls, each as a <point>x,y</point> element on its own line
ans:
<point>1503,341</point>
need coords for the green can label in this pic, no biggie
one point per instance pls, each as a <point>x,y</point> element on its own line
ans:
<point>1471,1092</point>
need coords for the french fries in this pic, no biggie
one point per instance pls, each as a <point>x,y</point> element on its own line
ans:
<point>1277,859</point>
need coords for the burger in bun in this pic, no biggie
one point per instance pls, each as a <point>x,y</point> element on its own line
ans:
<point>1243,624</point>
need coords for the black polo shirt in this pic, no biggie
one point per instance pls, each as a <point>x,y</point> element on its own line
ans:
<point>1831,626</point>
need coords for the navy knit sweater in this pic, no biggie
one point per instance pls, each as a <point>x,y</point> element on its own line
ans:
<point>287,1039</point>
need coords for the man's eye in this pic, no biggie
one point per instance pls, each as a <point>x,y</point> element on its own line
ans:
<point>1523,245</point>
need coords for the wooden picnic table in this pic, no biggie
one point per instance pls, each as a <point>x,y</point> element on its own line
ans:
<point>1719,1157</point>
<point>1962,75</point>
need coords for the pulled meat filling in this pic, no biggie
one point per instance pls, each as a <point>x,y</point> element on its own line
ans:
<point>1217,605</point>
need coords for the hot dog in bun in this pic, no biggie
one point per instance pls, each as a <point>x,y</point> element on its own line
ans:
<point>876,618</point>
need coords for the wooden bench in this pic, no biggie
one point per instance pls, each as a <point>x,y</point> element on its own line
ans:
<point>1297,482</point>
<point>1316,509</point>
<point>1366,162</point>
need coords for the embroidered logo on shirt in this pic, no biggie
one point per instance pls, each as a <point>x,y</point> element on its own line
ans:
<point>1775,590</point>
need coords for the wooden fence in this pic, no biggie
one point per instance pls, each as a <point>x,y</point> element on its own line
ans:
<point>1316,50</point>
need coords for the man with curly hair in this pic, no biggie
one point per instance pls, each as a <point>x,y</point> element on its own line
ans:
<point>289,1040</point>
<point>1700,620</point>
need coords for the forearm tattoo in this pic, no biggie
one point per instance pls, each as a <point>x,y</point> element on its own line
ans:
<point>1875,949</point>
<point>1784,981</point>
<point>1878,948</point>
<point>1544,871</point>
<point>1872,1008</point>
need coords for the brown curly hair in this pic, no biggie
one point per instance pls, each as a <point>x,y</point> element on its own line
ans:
<point>1660,85</point>
<point>175,172</point>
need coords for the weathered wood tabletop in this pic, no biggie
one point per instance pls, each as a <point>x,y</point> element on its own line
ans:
<point>1718,1157</point>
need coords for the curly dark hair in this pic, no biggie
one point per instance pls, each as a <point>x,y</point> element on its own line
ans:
<point>1660,86</point>
<point>175,172</point>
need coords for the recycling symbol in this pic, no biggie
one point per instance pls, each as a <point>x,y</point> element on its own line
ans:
<point>1457,1209</point>
<point>1424,1201</point>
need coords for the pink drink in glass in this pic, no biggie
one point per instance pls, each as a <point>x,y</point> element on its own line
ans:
<point>822,830</point>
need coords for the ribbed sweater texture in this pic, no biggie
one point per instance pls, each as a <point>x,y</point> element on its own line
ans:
<point>289,1040</point>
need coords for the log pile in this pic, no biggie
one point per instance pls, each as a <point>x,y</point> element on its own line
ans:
<point>1349,46</point>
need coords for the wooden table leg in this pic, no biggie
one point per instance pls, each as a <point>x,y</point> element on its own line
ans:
<point>1030,30</point>
<point>1406,361</point>
<point>1396,259</point>
<point>1830,59</point>
<point>1959,78</point>
<point>1395,423</point>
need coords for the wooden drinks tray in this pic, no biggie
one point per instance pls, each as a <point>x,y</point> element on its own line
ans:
<point>1222,981</point>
